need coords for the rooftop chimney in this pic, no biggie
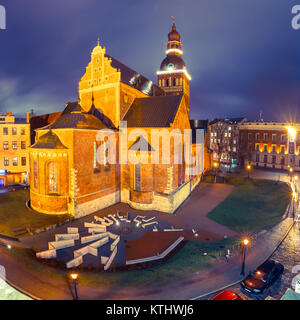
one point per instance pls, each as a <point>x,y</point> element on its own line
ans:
<point>8,113</point>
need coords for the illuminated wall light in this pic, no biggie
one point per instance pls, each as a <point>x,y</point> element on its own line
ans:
<point>162,72</point>
<point>292,132</point>
<point>174,50</point>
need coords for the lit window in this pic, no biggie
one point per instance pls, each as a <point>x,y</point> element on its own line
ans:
<point>15,161</point>
<point>14,145</point>
<point>5,145</point>
<point>52,167</point>
<point>5,131</point>
<point>23,145</point>
<point>23,131</point>
<point>14,131</point>
<point>95,155</point>
<point>6,162</point>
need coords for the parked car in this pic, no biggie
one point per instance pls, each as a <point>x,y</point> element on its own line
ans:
<point>263,277</point>
<point>226,295</point>
<point>17,186</point>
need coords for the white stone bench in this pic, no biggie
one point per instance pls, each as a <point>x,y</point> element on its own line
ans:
<point>93,237</point>
<point>60,244</point>
<point>147,220</point>
<point>136,219</point>
<point>74,262</point>
<point>97,230</point>
<point>144,225</point>
<point>110,260</point>
<point>47,254</point>
<point>104,259</point>
<point>112,217</point>
<point>66,236</point>
<point>115,243</point>
<point>119,215</point>
<point>72,230</point>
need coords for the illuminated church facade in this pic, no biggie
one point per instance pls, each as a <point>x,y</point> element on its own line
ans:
<point>114,99</point>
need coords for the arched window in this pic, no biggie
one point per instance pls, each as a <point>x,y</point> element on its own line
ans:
<point>52,168</point>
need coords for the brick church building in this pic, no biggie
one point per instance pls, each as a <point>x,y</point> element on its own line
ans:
<point>66,175</point>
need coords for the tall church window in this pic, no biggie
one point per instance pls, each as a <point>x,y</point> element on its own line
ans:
<point>52,167</point>
<point>174,82</point>
<point>35,182</point>
<point>95,155</point>
<point>137,177</point>
<point>167,85</point>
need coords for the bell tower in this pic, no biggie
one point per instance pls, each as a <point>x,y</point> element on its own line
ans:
<point>173,76</point>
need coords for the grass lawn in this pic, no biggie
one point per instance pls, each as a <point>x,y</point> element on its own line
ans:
<point>14,213</point>
<point>184,263</point>
<point>254,204</point>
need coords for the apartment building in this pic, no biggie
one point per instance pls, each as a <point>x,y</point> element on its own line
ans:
<point>270,144</point>
<point>224,142</point>
<point>14,156</point>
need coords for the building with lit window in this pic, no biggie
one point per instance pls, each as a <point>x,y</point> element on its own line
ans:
<point>14,141</point>
<point>270,144</point>
<point>66,176</point>
<point>224,142</point>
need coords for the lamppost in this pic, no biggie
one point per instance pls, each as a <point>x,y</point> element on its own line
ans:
<point>245,243</point>
<point>291,170</point>
<point>248,167</point>
<point>215,164</point>
<point>74,279</point>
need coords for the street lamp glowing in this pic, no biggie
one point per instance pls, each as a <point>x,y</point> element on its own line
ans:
<point>215,164</point>
<point>291,169</point>
<point>296,178</point>
<point>245,242</point>
<point>74,276</point>
<point>248,167</point>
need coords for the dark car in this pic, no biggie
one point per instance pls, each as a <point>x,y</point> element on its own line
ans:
<point>226,295</point>
<point>17,186</point>
<point>263,277</point>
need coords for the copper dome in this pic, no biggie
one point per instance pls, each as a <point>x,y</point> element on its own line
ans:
<point>174,35</point>
<point>172,62</point>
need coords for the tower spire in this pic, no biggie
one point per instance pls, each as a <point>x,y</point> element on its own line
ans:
<point>172,75</point>
<point>98,41</point>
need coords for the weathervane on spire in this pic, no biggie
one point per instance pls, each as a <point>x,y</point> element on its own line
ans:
<point>98,41</point>
<point>173,19</point>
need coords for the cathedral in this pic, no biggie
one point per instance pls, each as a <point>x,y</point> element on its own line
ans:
<point>66,175</point>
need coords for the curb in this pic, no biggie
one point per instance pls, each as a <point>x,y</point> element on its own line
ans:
<point>22,291</point>
<point>214,291</point>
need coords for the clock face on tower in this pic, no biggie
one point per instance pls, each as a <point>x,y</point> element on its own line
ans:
<point>171,66</point>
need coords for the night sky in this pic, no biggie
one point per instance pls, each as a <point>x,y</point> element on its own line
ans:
<point>243,55</point>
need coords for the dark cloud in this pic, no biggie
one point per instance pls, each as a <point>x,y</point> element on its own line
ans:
<point>243,55</point>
